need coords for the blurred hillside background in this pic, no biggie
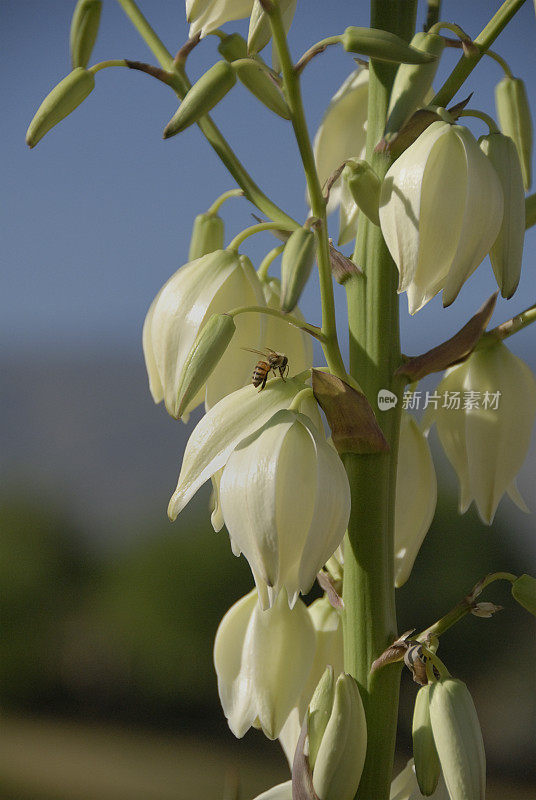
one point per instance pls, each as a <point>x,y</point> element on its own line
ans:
<point>108,611</point>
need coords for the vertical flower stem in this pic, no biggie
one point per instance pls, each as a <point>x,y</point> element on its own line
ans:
<point>370,614</point>
<point>291,83</point>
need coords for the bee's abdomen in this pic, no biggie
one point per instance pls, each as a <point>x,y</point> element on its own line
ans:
<point>259,373</point>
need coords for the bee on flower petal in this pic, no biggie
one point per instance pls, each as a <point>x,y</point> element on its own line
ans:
<point>275,362</point>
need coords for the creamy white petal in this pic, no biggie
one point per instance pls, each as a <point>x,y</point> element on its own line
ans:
<point>482,218</point>
<point>416,496</point>
<point>155,384</point>
<point>218,12</point>
<point>405,786</point>
<point>216,435</point>
<point>348,214</point>
<point>283,791</point>
<point>342,132</point>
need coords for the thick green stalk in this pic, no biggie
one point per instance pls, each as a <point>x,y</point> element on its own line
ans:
<point>370,615</point>
<point>181,84</point>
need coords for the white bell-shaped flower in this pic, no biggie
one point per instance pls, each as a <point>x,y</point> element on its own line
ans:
<point>441,208</point>
<point>283,337</point>
<point>405,786</point>
<point>285,500</point>
<point>342,135</point>
<point>329,651</point>
<point>484,421</point>
<point>212,284</point>
<point>207,15</point>
<point>262,659</point>
<point>223,427</point>
<point>416,496</point>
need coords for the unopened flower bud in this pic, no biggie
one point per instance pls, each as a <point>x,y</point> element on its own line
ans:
<point>212,284</point>
<point>59,103</point>
<point>255,77</point>
<point>507,250</point>
<point>340,755</point>
<point>320,709</point>
<point>486,441</point>
<point>383,45</point>
<point>261,659</point>
<point>207,350</point>
<point>441,208</point>
<point>84,29</point>
<point>207,235</point>
<point>524,591</point>
<point>285,500</point>
<point>416,496</point>
<point>296,264</point>
<point>233,47</point>
<point>515,119</point>
<point>413,82</point>
<point>427,766</point>
<point>458,740</point>
<point>207,15</point>
<point>202,97</point>
<point>260,32</point>
<point>364,186</point>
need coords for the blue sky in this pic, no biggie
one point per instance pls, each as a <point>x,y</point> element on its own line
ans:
<point>98,216</point>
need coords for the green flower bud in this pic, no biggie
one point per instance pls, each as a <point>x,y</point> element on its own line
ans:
<point>364,187</point>
<point>524,591</point>
<point>255,77</point>
<point>202,97</point>
<point>233,47</point>
<point>84,30</point>
<point>207,236</point>
<point>320,710</point>
<point>427,766</point>
<point>209,346</point>
<point>296,265</point>
<point>341,754</point>
<point>383,45</point>
<point>59,103</point>
<point>458,740</point>
<point>515,120</point>
<point>412,82</point>
<point>507,251</point>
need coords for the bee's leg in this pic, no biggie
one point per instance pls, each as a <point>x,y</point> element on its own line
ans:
<point>263,384</point>
<point>282,373</point>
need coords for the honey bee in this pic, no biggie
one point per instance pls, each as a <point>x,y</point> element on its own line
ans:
<point>275,362</point>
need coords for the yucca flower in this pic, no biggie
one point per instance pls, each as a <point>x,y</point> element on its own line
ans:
<point>207,15</point>
<point>262,659</point>
<point>405,786</point>
<point>416,496</point>
<point>285,500</point>
<point>342,135</point>
<point>214,283</point>
<point>441,208</point>
<point>484,422</point>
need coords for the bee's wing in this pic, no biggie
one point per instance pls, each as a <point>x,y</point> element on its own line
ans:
<point>259,352</point>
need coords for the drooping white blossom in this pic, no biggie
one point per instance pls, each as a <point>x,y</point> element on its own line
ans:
<point>441,208</point>
<point>416,496</point>
<point>262,659</point>
<point>487,437</point>
<point>285,500</point>
<point>207,15</point>
<point>405,786</point>
<point>340,136</point>
<point>214,283</point>
<point>222,428</point>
